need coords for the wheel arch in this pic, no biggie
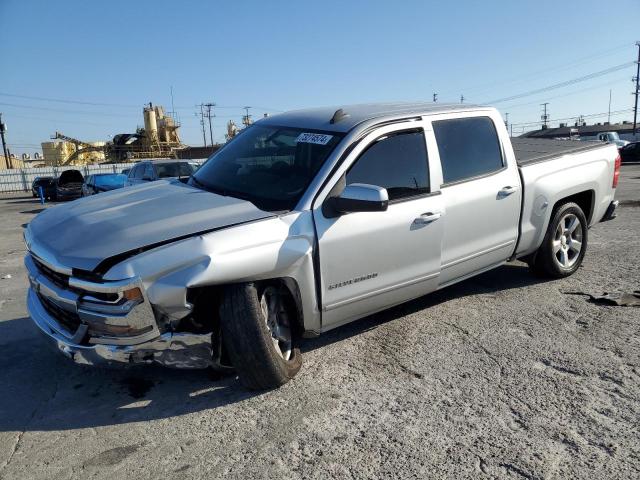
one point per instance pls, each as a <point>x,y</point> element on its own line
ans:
<point>584,199</point>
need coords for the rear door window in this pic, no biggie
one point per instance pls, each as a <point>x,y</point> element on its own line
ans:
<point>180,169</point>
<point>137,171</point>
<point>148,172</point>
<point>469,147</point>
<point>397,162</point>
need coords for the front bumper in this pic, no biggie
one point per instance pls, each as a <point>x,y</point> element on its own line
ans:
<point>83,331</point>
<point>177,350</point>
<point>68,194</point>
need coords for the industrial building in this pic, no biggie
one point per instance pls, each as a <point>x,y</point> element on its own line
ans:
<point>67,151</point>
<point>582,130</point>
<point>158,138</point>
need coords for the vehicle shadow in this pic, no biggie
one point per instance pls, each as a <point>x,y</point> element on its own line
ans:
<point>506,277</point>
<point>40,390</point>
<point>34,211</point>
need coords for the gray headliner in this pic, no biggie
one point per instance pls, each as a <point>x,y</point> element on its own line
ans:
<point>319,118</point>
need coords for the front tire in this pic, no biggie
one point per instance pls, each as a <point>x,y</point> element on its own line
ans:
<point>259,334</point>
<point>564,244</point>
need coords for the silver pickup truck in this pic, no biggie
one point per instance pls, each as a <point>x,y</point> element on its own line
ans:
<point>306,221</point>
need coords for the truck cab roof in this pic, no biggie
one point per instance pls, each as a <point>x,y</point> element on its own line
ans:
<point>344,118</point>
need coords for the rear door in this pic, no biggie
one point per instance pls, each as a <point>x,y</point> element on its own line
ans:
<point>372,260</point>
<point>481,195</point>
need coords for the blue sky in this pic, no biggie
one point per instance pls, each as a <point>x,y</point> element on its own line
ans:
<point>282,55</point>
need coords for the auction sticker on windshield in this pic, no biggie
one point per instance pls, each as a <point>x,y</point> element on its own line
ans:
<point>316,138</point>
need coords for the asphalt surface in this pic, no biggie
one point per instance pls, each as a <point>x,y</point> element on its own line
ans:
<point>501,376</point>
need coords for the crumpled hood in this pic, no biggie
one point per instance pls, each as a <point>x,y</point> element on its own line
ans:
<point>85,232</point>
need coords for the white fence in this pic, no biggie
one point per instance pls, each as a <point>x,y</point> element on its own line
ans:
<point>20,179</point>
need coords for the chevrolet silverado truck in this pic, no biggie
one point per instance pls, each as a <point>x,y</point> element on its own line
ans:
<point>303,222</point>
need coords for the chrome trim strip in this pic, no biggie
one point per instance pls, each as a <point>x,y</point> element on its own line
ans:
<point>106,287</point>
<point>380,291</point>
<point>35,308</point>
<point>477,254</point>
<point>65,299</point>
<point>47,262</point>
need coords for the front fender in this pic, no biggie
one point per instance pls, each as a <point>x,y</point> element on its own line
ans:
<point>280,247</point>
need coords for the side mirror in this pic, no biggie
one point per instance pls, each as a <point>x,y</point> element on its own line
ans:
<point>358,197</point>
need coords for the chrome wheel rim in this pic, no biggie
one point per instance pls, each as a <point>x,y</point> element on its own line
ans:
<point>567,242</point>
<point>277,321</point>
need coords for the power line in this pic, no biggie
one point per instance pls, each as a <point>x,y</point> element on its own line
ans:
<point>60,100</point>
<point>119,105</point>
<point>563,84</point>
<point>573,92</point>
<point>537,73</point>
<point>591,115</point>
<point>60,110</point>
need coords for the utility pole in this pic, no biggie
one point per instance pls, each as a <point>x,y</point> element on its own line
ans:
<point>609,111</point>
<point>461,98</point>
<point>545,116</point>
<point>506,120</point>
<point>204,135</point>
<point>637,92</point>
<point>3,129</point>
<point>435,97</point>
<point>208,114</point>
<point>246,120</point>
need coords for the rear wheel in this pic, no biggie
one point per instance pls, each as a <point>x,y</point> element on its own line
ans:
<point>564,244</point>
<point>259,334</point>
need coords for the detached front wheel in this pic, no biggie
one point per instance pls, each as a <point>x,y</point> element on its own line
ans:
<point>259,334</point>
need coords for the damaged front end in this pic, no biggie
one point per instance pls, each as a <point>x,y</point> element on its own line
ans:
<point>109,322</point>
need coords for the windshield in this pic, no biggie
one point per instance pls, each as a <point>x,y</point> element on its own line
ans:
<point>269,166</point>
<point>178,169</point>
<point>116,180</point>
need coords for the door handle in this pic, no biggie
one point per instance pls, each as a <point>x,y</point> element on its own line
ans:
<point>428,217</point>
<point>506,191</point>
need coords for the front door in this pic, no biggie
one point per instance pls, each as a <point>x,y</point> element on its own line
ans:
<point>372,260</point>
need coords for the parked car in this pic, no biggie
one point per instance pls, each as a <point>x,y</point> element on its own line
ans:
<point>68,186</point>
<point>305,222</point>
<point>47,184</point>
<point>151,170</point>
<point>102,182</point>
<point>612,137</point>
<point>630,152</point>
<point>195,166</point>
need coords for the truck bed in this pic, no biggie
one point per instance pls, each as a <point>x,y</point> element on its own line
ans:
<point>535,150</point>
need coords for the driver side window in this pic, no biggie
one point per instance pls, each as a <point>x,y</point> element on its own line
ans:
<point>397,162</point>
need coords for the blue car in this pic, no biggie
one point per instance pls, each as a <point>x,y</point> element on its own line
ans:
<point>102,182</point>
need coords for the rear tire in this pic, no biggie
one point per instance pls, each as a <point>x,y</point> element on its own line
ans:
<point>564,244</point>
<point>259,335</point>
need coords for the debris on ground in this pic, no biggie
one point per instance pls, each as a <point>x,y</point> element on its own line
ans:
<point>613,299</point>
<point>6,277</point>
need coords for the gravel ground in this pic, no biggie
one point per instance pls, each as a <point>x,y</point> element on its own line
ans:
<point>501,376</point>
